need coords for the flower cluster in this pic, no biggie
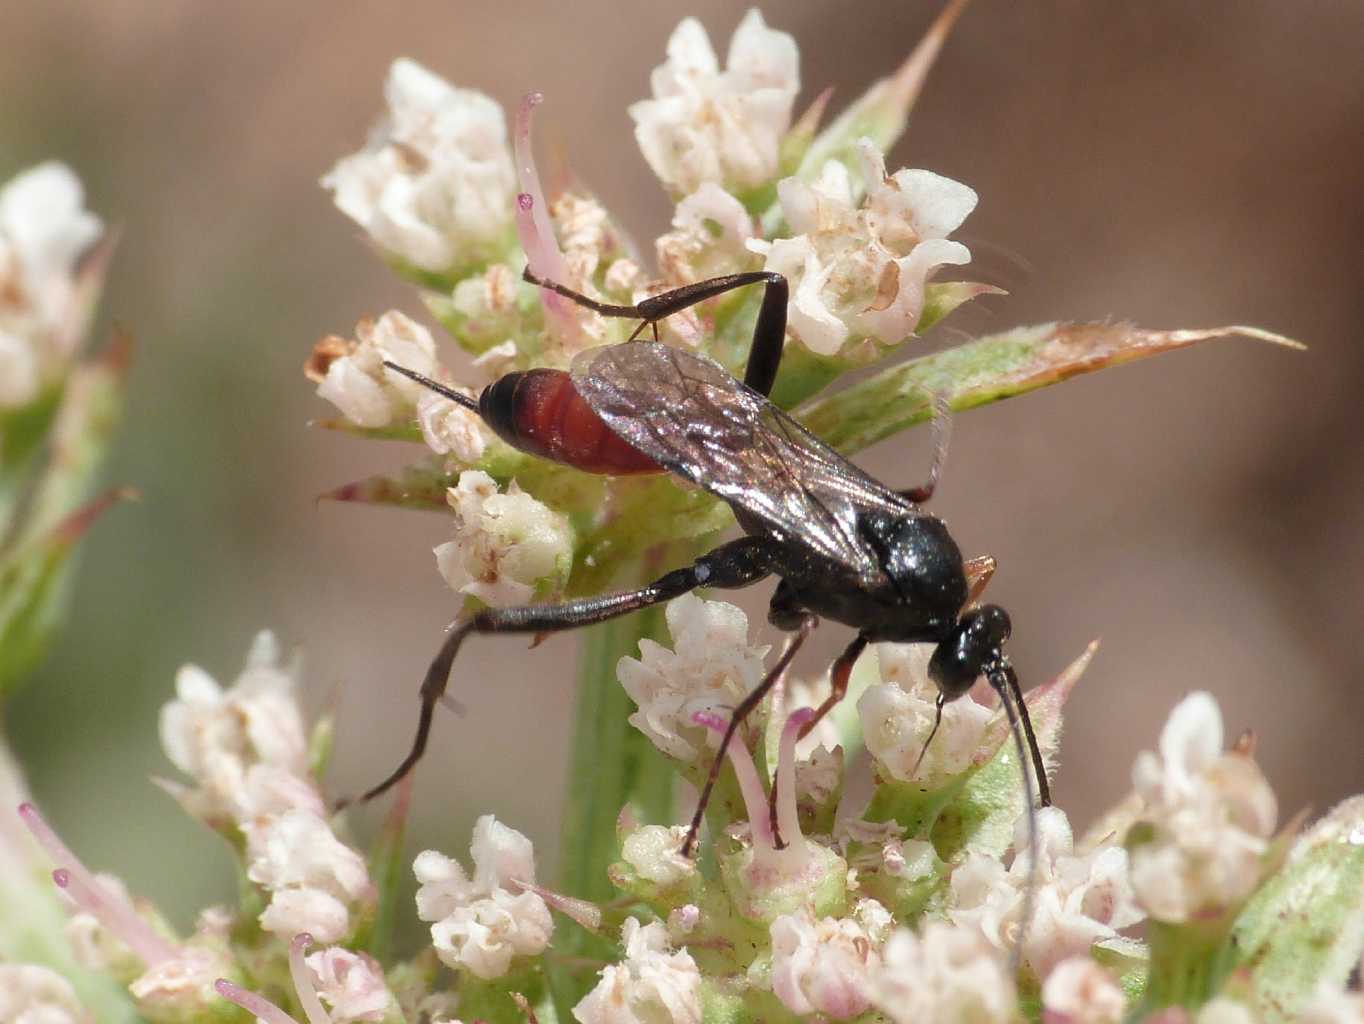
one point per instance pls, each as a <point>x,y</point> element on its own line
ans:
<point>480,924</point>
<point>934,890</point>
<point>44,231</point>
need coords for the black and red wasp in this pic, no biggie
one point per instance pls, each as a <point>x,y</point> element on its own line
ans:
<point>844,546</point>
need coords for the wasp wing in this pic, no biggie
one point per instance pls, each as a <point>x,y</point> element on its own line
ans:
<point>696,420</point>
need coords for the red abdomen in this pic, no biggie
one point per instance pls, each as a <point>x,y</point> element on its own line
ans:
<point>541,412</point>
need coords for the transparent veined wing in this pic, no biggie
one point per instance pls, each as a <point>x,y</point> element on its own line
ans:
<point>696,420</point>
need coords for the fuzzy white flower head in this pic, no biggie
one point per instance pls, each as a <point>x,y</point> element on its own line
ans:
<point>650,986</point>
<point>355,379</point>
<point>308,871</point>
<point>218,735</point>
<point>448,428</point>
<point>180,988</point>
<point>483,923</point>
<point>710,232</point>
<point>943,973</point>
<point>711,666</point>
<point>1079,991</point>
<point>1225,1011</point>
<point>44,229</point>
<point>822,966</point>
<point>707,125</point>
<point>505,542</point>
<point>897,716</point>
<point>655,852</point>
<point>1333,1006</point>
<point>351,984</point>
<point>1079,899</point>
<point>30,994</point>
<point>1210,815</point>
<point>861,271</point>
<point>435,185</point>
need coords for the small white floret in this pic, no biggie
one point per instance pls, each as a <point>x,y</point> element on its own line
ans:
<point>482,924</point>
<point>710,668</point>
<point>707,125</point>
<point>368,393</point>
<point>435,185</point>
<point>1079,991</point>
<point>650,986</point>
<point>943,973</point>
<point>30,994</point>
<point>351,984</point>
<point>506,542</point>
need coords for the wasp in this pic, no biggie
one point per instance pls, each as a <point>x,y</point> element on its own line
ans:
<point>843,546</point>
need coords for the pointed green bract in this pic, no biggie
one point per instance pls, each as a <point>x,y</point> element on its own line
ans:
<point>1304,929</point>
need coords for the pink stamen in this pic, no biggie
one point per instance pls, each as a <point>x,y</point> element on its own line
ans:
<point>586,914</point>
<point>303,980</point>
<point>788,819</point>
<point>87,892</point>
<point>755,800</point>
<point>252,1003</point>
<point>536,232</point>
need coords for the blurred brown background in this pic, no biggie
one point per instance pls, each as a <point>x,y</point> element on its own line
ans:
<point>1166,162</point>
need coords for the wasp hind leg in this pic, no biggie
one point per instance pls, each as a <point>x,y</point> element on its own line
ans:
<point>736,564</point>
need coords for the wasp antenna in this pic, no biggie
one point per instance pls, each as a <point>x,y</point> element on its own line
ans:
<point>1005,683</point>
<point>937,721</point>
<point>436,386</point>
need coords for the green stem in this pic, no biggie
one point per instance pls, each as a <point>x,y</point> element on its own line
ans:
<point>613,765</point>
<point>1188,963</point>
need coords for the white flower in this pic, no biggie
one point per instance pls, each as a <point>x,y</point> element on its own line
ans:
<point>483,923</point>
<point>1210,814</point>
<point>1225,1011</point>
<point>861,271</point>
<point>897,716</point>
<point>351,984</point>
<point>448,428</point>
<point>30,994</point>
<point>650,986</point>
<point>217,735</point>
<point>711,667</point>
<point>822,966</point>
<point>655,852</point>
<point>181,988</point>
<point>435,185</point>
<point>357,382</point>
<point>1079,991</point>
<point>1333,1006</point>
<point>710,233</point>
<point>308,871</point>
<point>1078,900</point>
<point>707,125</point>
<point>505,542</point>
<point>44,229</point>
<point>315,911</point>
<point>944,973</point>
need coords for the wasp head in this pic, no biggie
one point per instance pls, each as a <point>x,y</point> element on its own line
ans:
<point>973,645</point>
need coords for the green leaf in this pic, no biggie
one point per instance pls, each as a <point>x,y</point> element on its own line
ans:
<point>52,516</point>
<point>1305,927</point>
<point>990,369</point>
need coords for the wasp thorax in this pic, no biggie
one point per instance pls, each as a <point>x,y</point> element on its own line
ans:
<point>961,658</point>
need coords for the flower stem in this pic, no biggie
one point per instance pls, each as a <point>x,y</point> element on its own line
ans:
<point>1188,963</point>
<point>612,765</point>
